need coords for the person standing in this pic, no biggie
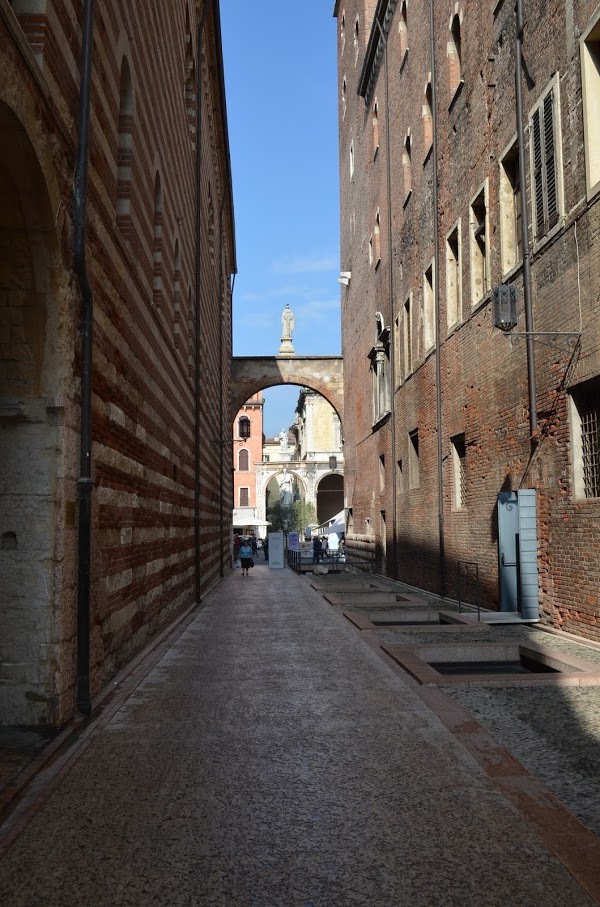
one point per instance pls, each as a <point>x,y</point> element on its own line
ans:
<point>266,547</point>
<point>317,549</point>
<point>246,557</point>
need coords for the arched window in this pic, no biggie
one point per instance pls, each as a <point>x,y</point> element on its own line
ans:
<point>157,282</point>
<point>243,461</point>
<point>356,39</point>
<point>454,55</point>
<point>125,151</point>
<point>244,427</point>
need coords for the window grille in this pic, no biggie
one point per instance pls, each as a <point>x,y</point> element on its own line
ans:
<point>590,447</point>
<point>243,497</point>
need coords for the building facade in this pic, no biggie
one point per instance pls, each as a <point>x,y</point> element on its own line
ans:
<point>248,442</point>
<point>115,291</point>
<point>470,256</point>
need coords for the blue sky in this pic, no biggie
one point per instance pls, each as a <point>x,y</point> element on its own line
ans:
<point>281,85</point>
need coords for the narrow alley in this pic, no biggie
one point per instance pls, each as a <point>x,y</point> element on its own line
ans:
<point>268,756</point>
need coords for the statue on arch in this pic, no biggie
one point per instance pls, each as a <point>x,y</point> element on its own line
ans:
<point>287,326</point>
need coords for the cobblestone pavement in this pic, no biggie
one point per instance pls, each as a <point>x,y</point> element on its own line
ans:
<point>271,757</point>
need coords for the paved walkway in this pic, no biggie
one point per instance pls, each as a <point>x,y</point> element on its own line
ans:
<point>271,757</point>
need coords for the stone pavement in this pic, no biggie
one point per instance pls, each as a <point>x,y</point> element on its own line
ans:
<point>270,757</point>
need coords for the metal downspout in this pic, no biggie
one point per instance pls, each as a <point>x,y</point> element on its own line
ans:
<point>85,481</point>
<point>436,293</point>
<point>531,385</point>
<point>221,427</point>
<point>391,293</point>
<point>197,301</point>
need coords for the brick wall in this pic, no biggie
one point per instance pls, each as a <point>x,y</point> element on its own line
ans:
<point>145,355</point>
<point>484,392</point>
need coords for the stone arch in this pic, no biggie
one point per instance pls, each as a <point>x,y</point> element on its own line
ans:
<point>293,474</point>
<point>31,390</point>
<point>323,374</point>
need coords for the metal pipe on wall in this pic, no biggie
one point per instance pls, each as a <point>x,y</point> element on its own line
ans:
<point>436,294</point>
<point>85,481</point>
<point>391,294</point>
<point>531,381</point>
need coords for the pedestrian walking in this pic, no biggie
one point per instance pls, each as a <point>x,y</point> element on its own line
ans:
<point>237,542</point>
<point>266,548</point>
<point>246,557</point>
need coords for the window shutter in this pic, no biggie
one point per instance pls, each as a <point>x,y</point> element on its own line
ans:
<point>538,179</point>
<point>550,161</point>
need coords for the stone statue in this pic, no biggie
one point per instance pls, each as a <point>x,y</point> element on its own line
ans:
<point>285,489</point>
<point>283,440</point>
<point>287,321</point>
<point>287,326</point>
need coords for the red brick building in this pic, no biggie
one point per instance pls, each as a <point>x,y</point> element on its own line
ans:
<point>472,404</point>
<point>133,258</point>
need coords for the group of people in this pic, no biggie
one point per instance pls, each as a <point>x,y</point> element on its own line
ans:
<point>245,549</point>
<point>321,548</point>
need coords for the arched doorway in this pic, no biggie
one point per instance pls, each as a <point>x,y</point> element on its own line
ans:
<point>330,497</point>
<point>31,435</point>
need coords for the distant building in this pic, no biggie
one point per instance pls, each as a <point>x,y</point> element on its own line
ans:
<point>247,453</point>
<point>473,392</point>
<point>306,462</point>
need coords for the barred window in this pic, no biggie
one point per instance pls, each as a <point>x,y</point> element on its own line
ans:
<point>586,439</point>
<point>244,497</point>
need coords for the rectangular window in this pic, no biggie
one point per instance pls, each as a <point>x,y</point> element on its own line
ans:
<point>400,476</point>
<point>413,458</point>
<point>585,420</point>
<point>459,475</point>
<point>453,277</point>
<point>545,163</point>
<point>511,239</point>
<point>407,336</point>
<point>428,309</point>
<point>244,497</point>
<point>478,225</point>
<point>590,82</point>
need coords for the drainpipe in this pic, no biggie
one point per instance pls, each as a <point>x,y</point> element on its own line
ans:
<point>391,295</point>
<point>197,305</point>
<point>533,420</point>
<point>221,427</point>
<point>85,481</point>
<point>436,294</point>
